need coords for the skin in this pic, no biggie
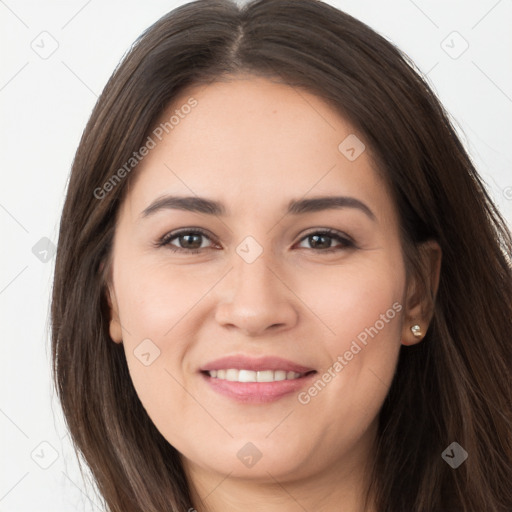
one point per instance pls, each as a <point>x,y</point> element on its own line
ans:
<point>254,145</point>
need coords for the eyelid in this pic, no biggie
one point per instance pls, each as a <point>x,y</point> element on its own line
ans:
<point>166,239</point>
<point>328,231</point>
<point>346,241</point>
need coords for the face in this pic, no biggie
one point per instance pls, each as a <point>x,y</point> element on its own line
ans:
<point>297,306</point>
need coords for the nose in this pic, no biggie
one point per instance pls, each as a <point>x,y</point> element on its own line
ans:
<point>256,298</point>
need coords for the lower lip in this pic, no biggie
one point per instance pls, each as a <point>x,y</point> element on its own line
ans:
<point>257,392</point>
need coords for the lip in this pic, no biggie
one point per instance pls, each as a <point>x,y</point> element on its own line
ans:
<point>241,362</point>
<point>256,392</point>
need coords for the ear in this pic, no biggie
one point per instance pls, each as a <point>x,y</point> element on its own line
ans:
<point>421,293</point>
<point>115,330</point>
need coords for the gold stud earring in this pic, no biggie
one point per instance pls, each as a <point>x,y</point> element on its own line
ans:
<point>416,331</point>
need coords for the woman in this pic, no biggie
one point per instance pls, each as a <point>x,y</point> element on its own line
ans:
<point>280,283</point>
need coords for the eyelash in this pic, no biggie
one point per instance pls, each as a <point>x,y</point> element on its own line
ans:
<point>165,241</point>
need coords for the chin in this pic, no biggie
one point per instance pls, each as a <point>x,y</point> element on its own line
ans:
<point>259,459</point>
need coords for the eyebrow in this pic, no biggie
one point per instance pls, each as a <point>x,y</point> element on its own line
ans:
<point>295,206</point>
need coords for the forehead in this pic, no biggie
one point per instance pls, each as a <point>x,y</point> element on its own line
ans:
<point>250,141</point>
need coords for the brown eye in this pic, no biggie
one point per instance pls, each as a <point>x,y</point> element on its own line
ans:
<point>321,241</point>
<point>190,241</point>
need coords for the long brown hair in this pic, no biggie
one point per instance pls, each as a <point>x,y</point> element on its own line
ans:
<point>454,386</point>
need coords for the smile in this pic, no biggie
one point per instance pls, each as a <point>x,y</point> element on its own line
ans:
<point>253,379</point>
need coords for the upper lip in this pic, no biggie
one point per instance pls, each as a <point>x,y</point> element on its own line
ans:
<point>243,362</point>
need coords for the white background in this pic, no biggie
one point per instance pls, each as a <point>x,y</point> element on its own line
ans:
<point>45,104</point>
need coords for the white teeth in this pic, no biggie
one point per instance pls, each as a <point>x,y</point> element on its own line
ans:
<point>232,375</point>
<point>235,375</point>
<point>279,375</point>
<point>265,376</point>
<point>246,376</point>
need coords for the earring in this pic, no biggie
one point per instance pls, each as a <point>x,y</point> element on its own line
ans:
<point>416,331</point>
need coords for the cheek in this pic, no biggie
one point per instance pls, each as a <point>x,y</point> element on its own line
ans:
<point>153,298</point>
<point>352,300</point>
<point>156,305</point>
<point>361,315</point>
